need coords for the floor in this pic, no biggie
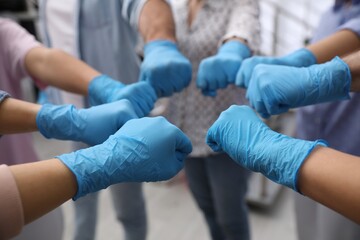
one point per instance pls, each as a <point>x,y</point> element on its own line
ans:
<point>172,213</point>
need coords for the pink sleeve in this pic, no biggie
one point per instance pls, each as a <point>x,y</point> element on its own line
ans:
<point>11,211</point>
<point>15,43</point>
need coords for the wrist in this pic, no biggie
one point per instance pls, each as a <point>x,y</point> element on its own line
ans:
<point>159,43</point>
<point>100,89</point>
<point>69,160</point>
<point>284,158</point>
<point>307,148</point>
<point>236,47</point>
<point>84,165</point>
<point>58,122</point>
<point>332,80</point>
<point>300,58</point>
<point>158,36</point>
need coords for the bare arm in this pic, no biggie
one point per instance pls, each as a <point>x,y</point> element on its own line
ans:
<point>43,186</point>
<point>57,68</point>
<point>332,178</point>
<point>340,44</point>
<point>353,61</point>
<point>17,116</point>
<point>156,21</point>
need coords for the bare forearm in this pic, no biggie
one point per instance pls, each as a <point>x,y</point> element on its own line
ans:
<point>353,61</point>
<point>156,21</point>
<point>340,44</point>
<point>57,68</point>
<point>332,178</point>
<point>17,116</point>
<point>43,186</point>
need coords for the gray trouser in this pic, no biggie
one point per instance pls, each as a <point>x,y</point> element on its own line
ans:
<point>219,187</point>
<point>130,210</point>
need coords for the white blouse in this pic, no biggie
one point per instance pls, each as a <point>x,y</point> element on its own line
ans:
<point>216,21</point>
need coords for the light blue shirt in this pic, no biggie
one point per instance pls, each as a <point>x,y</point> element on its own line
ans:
<point>106,35</point>
<point>336,122</point>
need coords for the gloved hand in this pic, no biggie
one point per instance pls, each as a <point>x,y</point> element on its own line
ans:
<point>92,126</point>
<point>218,71</point>
<point>276,89</point>
<point>136,153</point>
<point>299,58</point>
<point>252,144</point>
<point>103,89</point>
<point>165,68</point>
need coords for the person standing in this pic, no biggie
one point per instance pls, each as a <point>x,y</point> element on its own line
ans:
<point>104,34</point>
<point>337,35</point>
<point>214,35</point>
<point>336,123</point>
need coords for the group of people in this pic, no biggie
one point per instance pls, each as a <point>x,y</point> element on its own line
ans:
<point>198,53</point>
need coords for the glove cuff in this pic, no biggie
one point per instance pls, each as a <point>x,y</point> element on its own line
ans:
<point>332,80</point>
<point>84,164</point>
<point>90,167</point>
<point>235,47</point>
<point>58,122</point>
<point>344,81</point>
<point>42,120</point>
<point>151,46</point>
<point>310,146</point>
<point>100,87</point>
<point>300,58</point>
<point>69,160</point>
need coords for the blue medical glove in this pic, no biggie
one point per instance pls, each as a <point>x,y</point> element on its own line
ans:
<point>136,153</point>
<point>165,68</point>
<point>103,89</point>
<point>220,70</point>
<point>299,58</point>
<point>92,126</point>
<point>252,144</point>
<point>276,89</point>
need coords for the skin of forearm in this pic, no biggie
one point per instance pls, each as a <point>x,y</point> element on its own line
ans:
<point>18,116</point>
<point>156,21</point>
<point>43,186</point>
<point>57,68</point>
<point>332,178</point>
<point>340,44</point>
<point>353,61</point>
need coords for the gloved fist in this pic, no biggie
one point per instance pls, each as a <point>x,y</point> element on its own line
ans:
<point>92,126</point>
<point>103,89</point>
<point>136,153</point>
<point>165,68</point>
<point>252,144</point>
<point>276,89</point>
<point>299,58</point>
<point>220,70</point>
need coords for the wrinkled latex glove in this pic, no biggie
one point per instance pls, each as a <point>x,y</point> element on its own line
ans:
<point>136,153</point>
<point>92,126</point>
<point>103,89</point>
<point>165,68</point>
<point>241,134</point>
<point>220,70</point>
<point>299,58</point>
<point>276,89</point>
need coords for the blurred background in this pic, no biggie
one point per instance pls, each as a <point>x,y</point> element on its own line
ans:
<point>172,213</point>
